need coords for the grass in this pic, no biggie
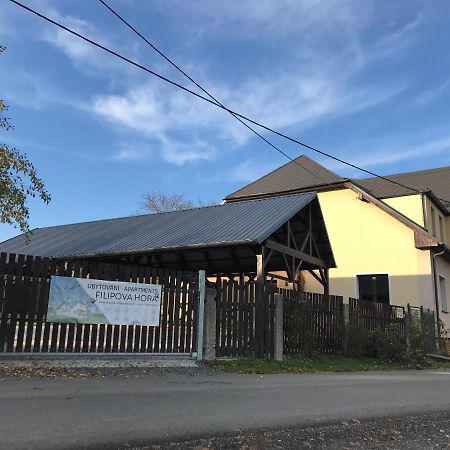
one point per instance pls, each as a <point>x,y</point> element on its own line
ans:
<point>328,363</point>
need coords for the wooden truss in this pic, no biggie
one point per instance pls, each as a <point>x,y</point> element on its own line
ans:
<point>295,254</point>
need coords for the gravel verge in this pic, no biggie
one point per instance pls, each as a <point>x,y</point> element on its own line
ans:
<point>427,431</point>
<point>99,367</point>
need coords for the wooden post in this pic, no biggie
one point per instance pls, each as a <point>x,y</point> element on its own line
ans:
<point>278,328</point>
<point>260,273</point>
<point>201,314</point>
<point>209,332</point>
<point>259,306</point>
<point>326,284</point>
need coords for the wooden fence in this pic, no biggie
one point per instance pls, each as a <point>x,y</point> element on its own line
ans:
<point>313,323</point>
<point>24,292</point>
<point>371,316</point>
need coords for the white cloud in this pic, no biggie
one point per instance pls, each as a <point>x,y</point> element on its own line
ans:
<point>132,152</point>
<point>283,101</point>
<point>318,74</point>
<point>391,150</point>
<point>247,171</point>
<point>85,56</point>
<point>249,18</point>
<point>431,94</point>
<point>316,81</point>
<point>179,153</point>
<point>404,152</point>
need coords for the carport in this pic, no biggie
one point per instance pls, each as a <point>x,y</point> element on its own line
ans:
<point>272,238</point>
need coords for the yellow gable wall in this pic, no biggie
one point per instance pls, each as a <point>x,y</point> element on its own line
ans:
<point>409,205</point>
<point>367,240</point>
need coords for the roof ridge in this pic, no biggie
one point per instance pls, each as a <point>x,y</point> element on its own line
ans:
<point>294,161</point>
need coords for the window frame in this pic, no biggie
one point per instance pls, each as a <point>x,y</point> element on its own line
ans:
<point>441,228</point>
<point>373,274</point>
<point>433,221</point>
<point>441,303</point>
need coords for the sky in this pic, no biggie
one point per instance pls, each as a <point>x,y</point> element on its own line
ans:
<point>365,81</point>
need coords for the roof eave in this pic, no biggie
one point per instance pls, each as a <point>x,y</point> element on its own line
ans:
<point>423,238</point>
<point>161,250</point>
<point>320,187</point>
<point>437,201</point>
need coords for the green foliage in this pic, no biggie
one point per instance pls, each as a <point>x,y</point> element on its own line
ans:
<point>326,363</point>
<point>18,180</point>
<point>384,344</point>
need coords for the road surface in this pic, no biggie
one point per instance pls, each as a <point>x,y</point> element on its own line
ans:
<point>43,413</point>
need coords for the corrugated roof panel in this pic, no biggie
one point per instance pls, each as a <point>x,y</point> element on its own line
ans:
<point>252,220</point>
<point>435,180</point>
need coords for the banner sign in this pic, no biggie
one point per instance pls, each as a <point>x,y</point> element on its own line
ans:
<point>83,300</point>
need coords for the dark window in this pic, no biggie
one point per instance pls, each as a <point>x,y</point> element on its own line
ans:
<point>374,288</point>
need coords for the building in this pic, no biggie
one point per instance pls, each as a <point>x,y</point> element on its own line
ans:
<point>390,243</point>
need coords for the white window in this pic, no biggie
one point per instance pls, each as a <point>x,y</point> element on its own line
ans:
<point>443,294</point>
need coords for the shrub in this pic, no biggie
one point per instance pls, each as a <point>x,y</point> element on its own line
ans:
<point>385,345</point>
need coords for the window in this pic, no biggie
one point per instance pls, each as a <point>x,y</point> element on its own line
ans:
<point>441,228</point>
<point>443,294</point>
<point>374,288</point>
<point>433,221</point>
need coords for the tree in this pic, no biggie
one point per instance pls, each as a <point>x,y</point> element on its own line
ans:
<point>18,180</point>
<point>158,202</point>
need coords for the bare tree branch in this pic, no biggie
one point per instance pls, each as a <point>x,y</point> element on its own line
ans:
<point>158,202</point>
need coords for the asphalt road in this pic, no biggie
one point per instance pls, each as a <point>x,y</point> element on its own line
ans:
<point>49,414</point>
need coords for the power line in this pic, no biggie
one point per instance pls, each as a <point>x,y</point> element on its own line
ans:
<point>173,64</point>
<point>241,116</point>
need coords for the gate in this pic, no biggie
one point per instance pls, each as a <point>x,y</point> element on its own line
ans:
<point>244,319</point>
<point>24,292</point>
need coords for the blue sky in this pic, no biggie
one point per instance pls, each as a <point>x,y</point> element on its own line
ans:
<point>367,81</point>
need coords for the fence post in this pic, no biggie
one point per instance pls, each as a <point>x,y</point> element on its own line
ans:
<point>346,322</point>
<point>408,327</point>
<point>209,332</point>
<point>278,328</point>
<point>201,314</point>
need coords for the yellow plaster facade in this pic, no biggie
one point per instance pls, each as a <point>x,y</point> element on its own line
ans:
<point>368,240</point>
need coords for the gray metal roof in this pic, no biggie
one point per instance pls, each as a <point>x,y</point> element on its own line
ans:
<point>248,221</point>
<point>435,180</point>
<point>303,174</point>
<point>310,175</point>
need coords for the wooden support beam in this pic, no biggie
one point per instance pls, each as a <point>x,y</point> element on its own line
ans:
<point>280,277</point>
<point>267,258</point>
<point>288,268</point>
<point>314,274</point>
<point>291,234</point>
<point>296,253</point>
<point>305,241</point>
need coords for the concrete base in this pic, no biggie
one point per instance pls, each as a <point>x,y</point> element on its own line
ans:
<point>93,361</point>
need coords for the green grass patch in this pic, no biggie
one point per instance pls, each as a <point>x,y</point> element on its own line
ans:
<point>328,363</point>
